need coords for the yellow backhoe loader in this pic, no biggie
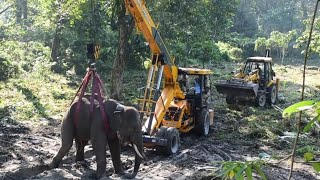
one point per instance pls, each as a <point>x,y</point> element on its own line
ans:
<point>175,106</point>
<point>255,82</point>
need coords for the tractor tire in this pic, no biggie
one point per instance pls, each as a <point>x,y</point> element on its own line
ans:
<point>272,94</point>
<point>161,134</point>
<point>173,140</point>
<point>230,100</point>
<point>260,100</point>
<point>202,126</point>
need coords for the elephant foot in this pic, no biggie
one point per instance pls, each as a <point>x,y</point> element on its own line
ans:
<point>98,175</point>
<point>52,165</point>
<point>83,163</point>
<point>119,172</point>
<point>130,175</point>
<point>94,175</point>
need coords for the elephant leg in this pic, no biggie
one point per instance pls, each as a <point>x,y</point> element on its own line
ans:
<point>115,148</point>
<point>80,144</point>
<point>136,141</point>
<point>98,140</point>
<point>67,133</point>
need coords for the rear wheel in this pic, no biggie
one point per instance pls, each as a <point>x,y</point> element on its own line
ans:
<point>260,100</point>
<point>272,94</point>
<point>173,140</point>
<point>203,122</point>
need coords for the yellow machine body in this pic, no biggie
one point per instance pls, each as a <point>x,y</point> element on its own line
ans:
<point>254,82</point>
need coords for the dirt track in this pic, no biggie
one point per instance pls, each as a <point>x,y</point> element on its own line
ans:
<point>25,151</point>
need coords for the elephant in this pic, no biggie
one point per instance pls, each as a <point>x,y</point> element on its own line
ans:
<point>124,122</point>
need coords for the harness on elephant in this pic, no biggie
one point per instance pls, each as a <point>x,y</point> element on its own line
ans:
<point>97,92</point>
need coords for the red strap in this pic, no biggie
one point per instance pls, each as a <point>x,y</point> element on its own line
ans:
<point>83,89</point>
<point>93,92</point>
<point>101,86</point>
<point>97,87</point>
<point>100,100</point>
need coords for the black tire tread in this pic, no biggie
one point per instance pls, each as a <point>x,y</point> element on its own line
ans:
<point>200,120</point>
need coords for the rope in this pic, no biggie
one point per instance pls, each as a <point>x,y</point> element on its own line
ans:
<point>93,27</point>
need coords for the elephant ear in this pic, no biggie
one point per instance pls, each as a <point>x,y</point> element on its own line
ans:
<point>116,117</point>
<point>119,109</point>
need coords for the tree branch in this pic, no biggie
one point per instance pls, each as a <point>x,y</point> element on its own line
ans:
<point>5,9</point>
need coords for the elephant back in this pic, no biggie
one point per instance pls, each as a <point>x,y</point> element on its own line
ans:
<point>81,118</point>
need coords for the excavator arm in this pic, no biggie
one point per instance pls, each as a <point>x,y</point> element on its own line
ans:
<point>146,25</point>
<point>155,103</point>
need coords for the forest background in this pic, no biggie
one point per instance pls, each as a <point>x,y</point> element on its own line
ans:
<point>43,58</point>
<point>43,44</point>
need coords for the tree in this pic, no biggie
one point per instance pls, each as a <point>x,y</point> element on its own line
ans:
<point>124,29</point>
<point>276,40</point>
<point>21,10</point>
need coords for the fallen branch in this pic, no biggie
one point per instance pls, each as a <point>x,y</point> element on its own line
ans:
<point>306,162</point>
<point>278,162</point>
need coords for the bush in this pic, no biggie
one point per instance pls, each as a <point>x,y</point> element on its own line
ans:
<point>206,51</point>
<point>23,56</point>
<point>7,69</point>
<point>229,52</point>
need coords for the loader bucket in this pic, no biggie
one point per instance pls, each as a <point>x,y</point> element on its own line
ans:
<point>237,88</point>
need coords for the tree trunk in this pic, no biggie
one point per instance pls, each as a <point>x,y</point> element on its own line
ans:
<point>24,9</point>
<point>55,49</point>
<point>18,11</point>
<point>21,10</point>
<point>282,57</point>
<point>122,54</point>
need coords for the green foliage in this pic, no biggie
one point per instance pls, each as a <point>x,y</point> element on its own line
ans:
<point>7,69</point>
<point>301,41</point>
<point>239,170</point>
<point>300,106</point>
<point>276,40</point>
<point>234,53</point>
<point>190,29</point>
<point>206,51</point>
<point>260,42</point>
<point>22,56</point>
<point>312,108</point>
<point>35,95</point>
<point>310,157</point>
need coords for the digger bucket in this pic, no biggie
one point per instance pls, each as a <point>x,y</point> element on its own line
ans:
<point>237,89</point>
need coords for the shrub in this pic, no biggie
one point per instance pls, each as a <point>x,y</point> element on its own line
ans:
<point>233,53</point>
<point>7,69</point>
<point>23,56</point>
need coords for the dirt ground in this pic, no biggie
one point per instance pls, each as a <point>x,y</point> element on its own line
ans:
<point>26,148</point>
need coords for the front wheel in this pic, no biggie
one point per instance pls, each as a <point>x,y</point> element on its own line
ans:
<point>260,100</point>
<point>173,140</point>
<point>203,122</point>
<point>272,94</point>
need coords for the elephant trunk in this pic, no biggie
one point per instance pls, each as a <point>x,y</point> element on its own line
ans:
<point>139,155</point>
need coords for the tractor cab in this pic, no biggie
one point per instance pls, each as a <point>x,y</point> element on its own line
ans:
<point>196,84</point>
<point>195,109</point>
<point>259,70</point>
